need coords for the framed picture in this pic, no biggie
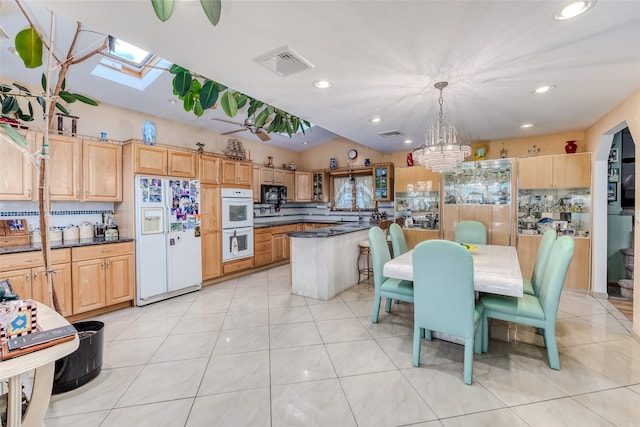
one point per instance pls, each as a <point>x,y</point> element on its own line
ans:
<point>614,174</point>
<point>613,155</point>
<point>612,192</point>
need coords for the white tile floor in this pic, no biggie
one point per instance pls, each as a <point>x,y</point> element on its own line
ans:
<point>248,353</point>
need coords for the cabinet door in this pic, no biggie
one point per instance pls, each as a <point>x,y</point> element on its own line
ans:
<point>500,231</point>
<point>64,168</point>
<point>209,170</point>
<point>16,173</point>
<point>425,178</point>
<point>182,164</point>
<point>102,172</point>
<point>150,160</point>
<point>210,207</point>
<point>303,186</point>
<point>277,247</point>
<point>20,281</point>
<point>535,172</point>
<point>266,175</point>
<point>244,172</point>
<point>578,273</point>
<point>404,176</point>
<point>61,283</point>
<point>572,171</point>
<point>229,174</point>
<point>383,183</point>
<point>450,219</point>
<point>255,186</point>
<point>290,183</point>
<point>211,254</point>
<point>119,279</point>
<point>88,279</point>
<point>278,176</point>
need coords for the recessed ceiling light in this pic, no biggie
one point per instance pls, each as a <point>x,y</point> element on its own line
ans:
<point>408,141</point>
<point>526,125</point>
<point>543,89</point>
<point>574,9</point>
<point>305,143</point>
<point>172,101</point>
<point>322,84</point>
<point>375,120</point>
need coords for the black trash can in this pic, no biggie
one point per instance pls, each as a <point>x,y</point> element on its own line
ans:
<point>84,364</point>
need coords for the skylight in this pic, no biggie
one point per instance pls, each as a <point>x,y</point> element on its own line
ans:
<point>129,53</point>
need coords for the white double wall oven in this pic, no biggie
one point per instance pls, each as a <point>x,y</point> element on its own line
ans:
<point>237,224</point>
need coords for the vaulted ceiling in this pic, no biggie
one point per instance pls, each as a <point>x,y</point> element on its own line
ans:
<point>382,58</point>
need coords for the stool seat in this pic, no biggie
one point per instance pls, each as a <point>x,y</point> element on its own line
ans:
<point>365,251</point>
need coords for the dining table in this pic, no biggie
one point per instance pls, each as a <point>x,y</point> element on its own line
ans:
<point>496,269</point>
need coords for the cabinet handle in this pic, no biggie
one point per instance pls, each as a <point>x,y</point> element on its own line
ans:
<point>86,194</point>
<point>108,264</point>
<point>29,193</point>
<point>35,275</point>
<point>26,276</point>
<point>77,194</point>
<point>103,264</point>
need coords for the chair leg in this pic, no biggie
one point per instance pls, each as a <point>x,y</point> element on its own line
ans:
<point>477,339</point>
<point>485,333</point>
<point>376,309</point>
<point>417,332</point>
<point>552,348</point>
<point>388,305</point>
<point>468,360</point>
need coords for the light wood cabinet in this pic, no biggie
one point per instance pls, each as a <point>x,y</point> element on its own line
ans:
<point>415,236</point>
<point>271,176</point>
<point>497,219</point>
<point>290,183</point>
<point>383,182</point>
<point>303,189</point>
<point>101,172</point>
<point>320,187</point>
<point>209,169</point>
<point>16,172</point>
<point>280,241</point>
<point>210,231</point>
<point>64,168</point>
<point>563,171</point>
<point>255,186</point>
<point>578,275</point>
<point>153,160</point>
<point>236,172</point>
<point>102,275</point>
<point>262,246</point>
<point>182,164</point>
<point>25,271</point>
<point>415,178</point>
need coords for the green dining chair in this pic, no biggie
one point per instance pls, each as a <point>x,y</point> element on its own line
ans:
<point>473,232</point>
<point>398,242</point>
<point>540,310</point>
<point>532,286</point>
<point>444,299</point>
<point>389,288</point>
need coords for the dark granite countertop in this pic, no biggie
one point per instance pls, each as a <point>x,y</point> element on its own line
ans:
<point>297,221</point>
<point>62,245</point>
<point>332,230</point>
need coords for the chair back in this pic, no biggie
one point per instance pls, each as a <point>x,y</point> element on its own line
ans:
<point>443,287</point>
<point>398,242</point>
<point>554,275</point>
<point>384,225</point>
<point>544,251</point>
<point>471,232</point>
<point>400,221</point>
<point>379,254</point>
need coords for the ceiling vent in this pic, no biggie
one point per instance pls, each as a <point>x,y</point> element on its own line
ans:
<point>283,61</point>
<point>390,133</point>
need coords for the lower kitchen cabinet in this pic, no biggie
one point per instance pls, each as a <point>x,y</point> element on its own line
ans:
<point>280,241</point>
<point>102,275</point>
<point>415,236</point>
<point>262,247</point>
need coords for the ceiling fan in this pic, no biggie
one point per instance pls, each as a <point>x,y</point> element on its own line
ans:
<point>250,125</point>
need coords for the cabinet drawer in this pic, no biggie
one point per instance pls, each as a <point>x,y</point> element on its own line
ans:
<point>262,258</point>
<point>32,259</point>
<point>262,246</point>
<point>283,229</point>
<point>259,238</point>
<point>101,251</point>
<point>7,241</point>
<point>233,266</point>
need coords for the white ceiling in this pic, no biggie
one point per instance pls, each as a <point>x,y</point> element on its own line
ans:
<point>383,58</point>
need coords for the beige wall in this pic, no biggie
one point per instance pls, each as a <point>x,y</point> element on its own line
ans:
<point>318,157</point>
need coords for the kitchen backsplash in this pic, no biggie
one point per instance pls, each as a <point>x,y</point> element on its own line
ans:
<point>312,211</point>
<point>62,213</point>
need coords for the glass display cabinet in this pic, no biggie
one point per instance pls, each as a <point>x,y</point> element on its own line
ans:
<point>485,182</point>
<point>383,182</point>
<point>567,210</point>
<point>320,194</point>
<point>422,206</point>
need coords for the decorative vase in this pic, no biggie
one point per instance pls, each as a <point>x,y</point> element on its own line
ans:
<point>367,162</point>
<point>332,163</point>
<point>570,147</point>
<point>149,133</point>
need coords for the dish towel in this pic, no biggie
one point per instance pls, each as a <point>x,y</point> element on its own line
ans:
<point>234,244</point>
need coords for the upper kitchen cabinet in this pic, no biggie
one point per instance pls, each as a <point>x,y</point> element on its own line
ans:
<point>290,183</point>
<point>383,182</point>
<point>416,178</point>
<point>302,186</point>
<point>64,168</point>
<point>17,173</point>
<point>236,172</point>
<point>155,160</point>
<point>101,172</point>
<point>209,169</point>
<point>320,191</point>
<point>563,171</point>
<point>255,182</point>
<point>272,176</point>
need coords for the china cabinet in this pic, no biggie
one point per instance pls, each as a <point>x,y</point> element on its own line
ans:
<point>561,171</point>
<point>383,182</point>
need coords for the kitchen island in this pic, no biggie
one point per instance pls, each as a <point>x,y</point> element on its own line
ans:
<point>324,260</point>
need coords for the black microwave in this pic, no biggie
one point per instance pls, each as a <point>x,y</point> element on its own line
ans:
<point>273,194</point>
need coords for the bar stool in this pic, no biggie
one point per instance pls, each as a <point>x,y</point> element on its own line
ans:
<point>365,251</point>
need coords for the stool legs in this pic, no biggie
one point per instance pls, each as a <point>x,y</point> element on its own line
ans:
<point>367,270</point>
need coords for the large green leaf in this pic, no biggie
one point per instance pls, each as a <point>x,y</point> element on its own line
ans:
<point>182,83</point>
<point>13,135</point>
<point>67,97</point>
<point>195,87</point>
<point>29,47</point>
<point>175,69</point>
<point>188,102</point>
<point>22,88</point>
<point>229,104</point>
<point>212,9</point>
<point>163,8</point>
<point>85,100</point>
<point>43,80</point>
<point>208,94</point>
<point>9,105</point>
<point>262,117</point>
<point>62,109</point>
<point>197,109</point>
<point>241,99</point>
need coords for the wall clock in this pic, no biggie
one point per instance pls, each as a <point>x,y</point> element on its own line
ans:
<point>352,154</point>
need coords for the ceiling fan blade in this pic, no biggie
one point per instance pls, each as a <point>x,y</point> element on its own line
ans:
<point>233,131</point>
<point>227,121</point>
<point>263,135</point>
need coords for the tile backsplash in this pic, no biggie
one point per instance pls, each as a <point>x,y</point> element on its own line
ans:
<point>62,213</point>
<point>312,211</point>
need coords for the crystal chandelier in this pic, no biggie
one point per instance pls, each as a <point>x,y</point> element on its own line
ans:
<point>442,149</point>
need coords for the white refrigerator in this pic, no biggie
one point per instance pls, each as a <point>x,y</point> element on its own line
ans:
<point>168,245</point>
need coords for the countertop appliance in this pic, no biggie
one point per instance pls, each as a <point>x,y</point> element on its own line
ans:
<point>168,245</point>
<point>273,194</point>
<point>237,224</point>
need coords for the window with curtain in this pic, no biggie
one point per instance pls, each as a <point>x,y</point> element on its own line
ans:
<point>353,193</point>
